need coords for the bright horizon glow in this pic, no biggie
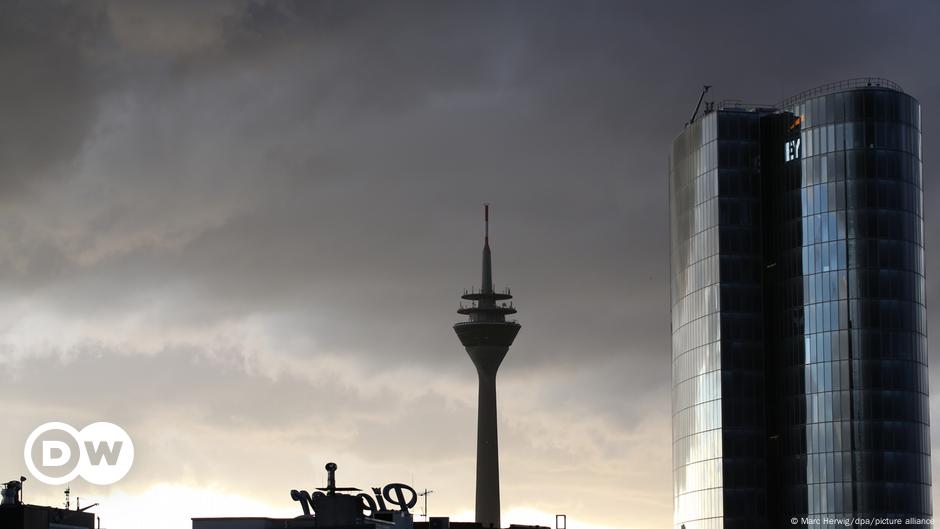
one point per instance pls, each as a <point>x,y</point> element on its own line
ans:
<point>172,506</point>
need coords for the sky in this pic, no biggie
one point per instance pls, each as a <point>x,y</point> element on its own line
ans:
<point>240,230</point>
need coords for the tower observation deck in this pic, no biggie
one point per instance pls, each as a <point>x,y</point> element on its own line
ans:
<point>487,337</point>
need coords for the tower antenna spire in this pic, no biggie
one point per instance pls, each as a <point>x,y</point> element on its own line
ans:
<point>487,285</point>
<point>486,223</point>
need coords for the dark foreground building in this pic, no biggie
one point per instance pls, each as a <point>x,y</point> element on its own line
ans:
<point>14,514</point>
<point>328,507</point>
<point>799,347</point>
<point>40,517</point>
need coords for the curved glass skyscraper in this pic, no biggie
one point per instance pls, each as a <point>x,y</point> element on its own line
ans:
<point>798,318</point>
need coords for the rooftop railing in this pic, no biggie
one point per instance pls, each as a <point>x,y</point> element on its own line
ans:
<point>838,86</point>
<point>738,104</point>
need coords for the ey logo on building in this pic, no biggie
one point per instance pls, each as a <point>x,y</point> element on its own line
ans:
<point>56,453</point>
<point>791,150</point>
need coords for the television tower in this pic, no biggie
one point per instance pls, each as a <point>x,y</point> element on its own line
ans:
<point>487,337</point>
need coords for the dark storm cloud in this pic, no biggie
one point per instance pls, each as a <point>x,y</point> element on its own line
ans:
<point>48,91</point>
<point>292,182</point>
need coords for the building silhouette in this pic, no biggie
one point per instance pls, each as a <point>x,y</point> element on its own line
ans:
<point>487,337</point>
<point>335,507</point>
<point>799,350</point>
<point>14,514</point>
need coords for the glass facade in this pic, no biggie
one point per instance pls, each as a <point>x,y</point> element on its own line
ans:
<point>696,325</point>
<point>798,316</point>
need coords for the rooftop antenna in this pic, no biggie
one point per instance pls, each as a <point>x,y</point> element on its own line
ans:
<point>699,104</point>
<point>68,491</point>
<point>425,494</point>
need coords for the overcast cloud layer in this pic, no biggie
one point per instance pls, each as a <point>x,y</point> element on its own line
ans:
<point>240,230</point>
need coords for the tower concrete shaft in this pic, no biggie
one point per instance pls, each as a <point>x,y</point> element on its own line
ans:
<point>487,337</point>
